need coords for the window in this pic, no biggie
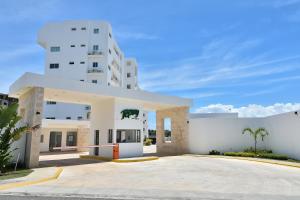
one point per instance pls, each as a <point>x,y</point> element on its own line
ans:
<point>73,45</point>
<point>128,86</point>
<point>128,75</point>
<point>95,47</point>
<point>167,130</point>
<point>94,81</point>
<point>138,136</point>
<point>109,34</point>
<point>50,117</point>
<point>109,51</point>
<point>42,139</point>
<point>73,29</point>
<point>128,63</point>
<point>54,49</point>
<point>95,64</point>
<point>108,83</point>
<point>82,62</point>
<point>82,45</point>
<point>54,65</point>
<point>82,80</point>
<point>51,102</point>
<point>109,67</point>
<point>71,62</point>
<point>110,136</point>
<point>79,117</point>
<point>87,107</point>
<point>96,30</point>
<point>128,136</point>
<point>83,28</point>
<point>71,139</point>
<point>68,117</point>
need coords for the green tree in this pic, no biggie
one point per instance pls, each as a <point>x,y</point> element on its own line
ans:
<point>9,133</point>
<point>260,132</point>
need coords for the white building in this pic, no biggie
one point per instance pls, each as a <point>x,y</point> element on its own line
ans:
<point>84,51</point>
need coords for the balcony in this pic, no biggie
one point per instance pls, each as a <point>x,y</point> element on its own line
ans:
<point>95,70</point>
<point>95,53</point>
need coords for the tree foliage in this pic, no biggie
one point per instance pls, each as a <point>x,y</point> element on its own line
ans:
<point>255,133</point>
<point>9,133</point>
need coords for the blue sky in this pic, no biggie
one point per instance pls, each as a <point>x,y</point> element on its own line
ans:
<point>241,56</point>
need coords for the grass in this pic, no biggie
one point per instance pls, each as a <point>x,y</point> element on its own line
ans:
<point>15,174</point>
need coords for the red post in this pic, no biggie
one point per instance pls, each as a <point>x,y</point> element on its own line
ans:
<point>116,153</point>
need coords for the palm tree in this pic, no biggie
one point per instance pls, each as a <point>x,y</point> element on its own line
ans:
<point>260,132</point>
<point>9,133</point>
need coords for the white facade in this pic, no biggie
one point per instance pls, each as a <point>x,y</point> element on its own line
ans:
<point>85,51</point>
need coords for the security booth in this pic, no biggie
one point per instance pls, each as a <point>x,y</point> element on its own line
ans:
<point>115,121</point>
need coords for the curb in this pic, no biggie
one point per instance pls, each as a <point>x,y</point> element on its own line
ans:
<point>141,159</point>
<point>135,160</point>
<point>274,162</point>
<point>27,183</point>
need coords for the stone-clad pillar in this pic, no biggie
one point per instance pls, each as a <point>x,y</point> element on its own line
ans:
<point>31,110</point>
<point>179,131</point>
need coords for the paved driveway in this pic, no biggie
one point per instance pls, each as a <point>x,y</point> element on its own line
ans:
<point>175,177</point>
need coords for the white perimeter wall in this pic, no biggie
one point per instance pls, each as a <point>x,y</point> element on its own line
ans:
<point>225,134</point>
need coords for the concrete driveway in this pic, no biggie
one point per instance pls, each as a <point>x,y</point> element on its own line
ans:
<point>177,177</point>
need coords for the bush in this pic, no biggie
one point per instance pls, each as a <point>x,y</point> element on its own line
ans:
<point>273,156</point>
<point>257,155</point>
<point>251,150</point>
<point>214,152</point>
<point>147,142</point>
<point>241,154</point>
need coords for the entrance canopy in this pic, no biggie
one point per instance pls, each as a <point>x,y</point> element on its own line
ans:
<point>71,91</point>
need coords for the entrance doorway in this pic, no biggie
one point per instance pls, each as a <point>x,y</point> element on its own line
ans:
<point>55,140</point>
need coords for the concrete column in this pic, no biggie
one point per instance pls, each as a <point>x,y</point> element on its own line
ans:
<point>114,136</point>
<point>179,131</point>
<point>31,110</point>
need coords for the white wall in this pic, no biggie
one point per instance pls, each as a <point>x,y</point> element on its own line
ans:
<point>284,134</point>
<point>225,134</point>
<point>222,134</point>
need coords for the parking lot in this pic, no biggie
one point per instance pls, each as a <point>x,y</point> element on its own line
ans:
<point>172,178</point>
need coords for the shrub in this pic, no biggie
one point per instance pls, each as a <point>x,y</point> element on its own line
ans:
<point>273,156</point>
<point>241,154</point>
<point>257,155</point>
<point>251,150</point>
<point>214,152</point>
<point>147,142</point>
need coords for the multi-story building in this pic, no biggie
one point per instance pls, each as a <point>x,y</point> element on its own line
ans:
<point>85,51</point>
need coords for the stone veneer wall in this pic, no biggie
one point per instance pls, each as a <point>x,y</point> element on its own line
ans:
<point>31,111</point>
<point>179,131</point>
<point>83,138</point>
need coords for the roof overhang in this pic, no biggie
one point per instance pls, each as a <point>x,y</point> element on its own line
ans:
<point>72,91</point>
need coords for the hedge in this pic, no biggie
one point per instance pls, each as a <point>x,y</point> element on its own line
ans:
<point>258,155</point>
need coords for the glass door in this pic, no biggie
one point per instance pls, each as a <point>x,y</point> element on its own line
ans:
<point>55,140</point>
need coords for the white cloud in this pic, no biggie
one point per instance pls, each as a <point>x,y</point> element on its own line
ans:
<point>134,36</point>
<point>25,50</point>
<point>252,110</point>
<point>27,10</point>
<point>221,62</point>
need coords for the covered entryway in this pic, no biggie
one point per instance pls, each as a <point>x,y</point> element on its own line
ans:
<point>33,89</point>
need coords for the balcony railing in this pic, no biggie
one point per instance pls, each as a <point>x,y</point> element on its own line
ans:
<point>95,53</point>
<point>95,71</point>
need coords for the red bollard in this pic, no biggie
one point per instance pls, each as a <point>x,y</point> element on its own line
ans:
<point>116,154</point>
